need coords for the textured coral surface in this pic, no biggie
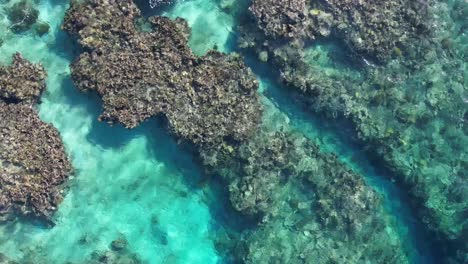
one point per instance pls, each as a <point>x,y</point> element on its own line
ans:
<point>409,109</point>
<point>205,99</point>
<point>343,144</point>
<point>33,164</point>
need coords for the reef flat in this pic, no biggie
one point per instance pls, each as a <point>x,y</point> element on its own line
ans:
<point>33,163</point>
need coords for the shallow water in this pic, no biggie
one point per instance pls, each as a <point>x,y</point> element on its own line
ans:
<point>140,183</point>
<point>134,183</point>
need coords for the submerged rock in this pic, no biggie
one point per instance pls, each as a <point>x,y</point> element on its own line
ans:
<point>42,28</point>
<point>409,111</point>
<point>282,18</point>
<point>212,101</point>
<point>119,244</point>
<point>369,28</point>
<point>312,209</point>
<point>22,16</point>
<point>141,74</point>
<point>33,163</point>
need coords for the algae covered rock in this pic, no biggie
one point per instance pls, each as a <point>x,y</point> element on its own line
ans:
<point>409,110</point>
<point>282,18</point>
<point>22,81</point>
<point>311,208</point>
<point>33,163</point>
<point>142,74</point>
<point>370,29</point>
<point>42,28</point>
<point>22,15</point>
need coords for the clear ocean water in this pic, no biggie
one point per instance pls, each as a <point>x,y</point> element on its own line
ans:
<point>139,183</point>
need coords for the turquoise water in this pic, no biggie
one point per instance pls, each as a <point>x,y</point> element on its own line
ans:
<point>139,183</point>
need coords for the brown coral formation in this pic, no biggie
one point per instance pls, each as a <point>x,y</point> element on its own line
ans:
<point>213,100</point>
<point>33,164</point>
<point>375,29</point>
<point>396,106</point>
<point>141,74</point>
<point>30,76</point>
<point>282,18</point>
<point>308,202</point>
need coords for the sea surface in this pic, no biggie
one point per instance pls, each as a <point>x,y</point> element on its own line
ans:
<point>140,183</point>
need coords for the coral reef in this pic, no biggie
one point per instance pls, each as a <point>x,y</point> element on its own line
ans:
<point>33,164</point>
<point>378,28</point>
<point>373,29</point>
<point>283,18</point>
<point>206,100</point>
<point>312,208</point>
<point>410,111</point>
<point>31,76</point>
<point>277,177</point>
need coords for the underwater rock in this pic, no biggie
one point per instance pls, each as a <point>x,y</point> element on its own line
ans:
<point>22,16</point>
<point>377,28</point>
<point>408,111</point>
<point>33,163</point>
<point>309,204</point>
<point>373,29</point>
<point>22,81</point>
<point>119,244</point>
<point>282,18</point>
<point>141,74</point>
<point>5,260</point>
<point>42,28</point>
<point>98,256</point>
<point>119,254</point>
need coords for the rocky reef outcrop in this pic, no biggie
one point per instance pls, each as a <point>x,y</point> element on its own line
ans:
<point>283,18</point>
<point>409,110</point>
<point>206,100</point>
<point>312,209</point>
<point>281,179</point>
<point>373,29</point>
<point>33,163</point>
